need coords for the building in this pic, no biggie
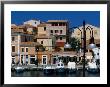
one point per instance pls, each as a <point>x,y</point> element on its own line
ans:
<point>32,22</point>
<point>43,30</point>
<point>96,34</point>
<point>58,29</point>
<point>17,37</point>
<point>45,41</point>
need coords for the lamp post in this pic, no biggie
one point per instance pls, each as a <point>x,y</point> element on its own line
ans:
<point>83,43</point>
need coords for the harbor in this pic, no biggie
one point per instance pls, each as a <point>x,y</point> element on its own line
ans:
<point>38,71</point>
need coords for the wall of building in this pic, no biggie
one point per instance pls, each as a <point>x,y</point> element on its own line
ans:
<point>77,32</point>
<point>47,42</point>
<point>33,22</point>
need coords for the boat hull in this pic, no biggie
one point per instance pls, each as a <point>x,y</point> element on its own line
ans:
<point>48,71</point>
<point>60,70</point>
<point>19,70</point>
<point>71,70</point>
<point>93,70</point>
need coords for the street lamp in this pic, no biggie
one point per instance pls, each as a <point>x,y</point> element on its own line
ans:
<point>91,44</point>
<point>67,45</point>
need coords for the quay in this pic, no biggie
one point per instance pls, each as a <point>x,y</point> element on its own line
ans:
<point>40,67</point>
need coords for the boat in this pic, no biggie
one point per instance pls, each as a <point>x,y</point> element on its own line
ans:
<point>60,67</point>
<point>71,68</point>
<point>48,70</point>
<point>92,67</point>
<point>19,69</point>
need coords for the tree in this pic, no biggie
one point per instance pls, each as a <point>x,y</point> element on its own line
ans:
<point>75,43</point>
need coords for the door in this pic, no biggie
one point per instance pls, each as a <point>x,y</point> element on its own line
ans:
<point>44,59</point>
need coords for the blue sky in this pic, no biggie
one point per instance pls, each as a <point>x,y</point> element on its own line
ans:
<point>75,18</point>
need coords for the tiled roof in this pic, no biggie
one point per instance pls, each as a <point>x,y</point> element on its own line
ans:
<point>42,25</point>
<point>16,30</point>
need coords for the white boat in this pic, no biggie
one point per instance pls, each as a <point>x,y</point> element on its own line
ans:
<point>60,67</point>
<point>48,70</point>
<point>92,67</point>
<point>19,69</point>
<point>71,67</point>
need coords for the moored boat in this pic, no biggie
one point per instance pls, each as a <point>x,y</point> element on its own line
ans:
<point>71,67</point>
<point>19,69</point>
<point>92,67</point>
<point>48,70</point>
<point>60,67</point>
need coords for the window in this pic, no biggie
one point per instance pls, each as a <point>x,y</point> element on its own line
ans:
<point>56,24</point>
<point>22,49</point>
<point>41,42</point>
<point>51,31</point>
<point>64,24</point>
<point>56,31</point>
<point>60,31</point>
<point>13,38</point>
<point>26,59</point>
<point>13,59</point>
<point>44,59</point>
<point>44,28</point>
<point>56,38</point>
<point>32,59</point>
<point>60,24</point>
<point>13,48</point>
<point>26,49</point>
<point>60,38</point>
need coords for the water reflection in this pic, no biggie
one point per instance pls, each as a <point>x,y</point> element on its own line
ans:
<point>79,73</point>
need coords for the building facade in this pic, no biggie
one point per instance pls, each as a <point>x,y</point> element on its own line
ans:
<point>32,22</point>
<point>96,33</point>
<point>58,29</point>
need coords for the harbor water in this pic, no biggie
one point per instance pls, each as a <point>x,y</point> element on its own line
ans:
<point>40,73</point>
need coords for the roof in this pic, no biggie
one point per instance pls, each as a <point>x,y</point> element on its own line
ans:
<point>42,25</point>
<point>17,30</point>
<point>57,21</point>
<point>29,44</point>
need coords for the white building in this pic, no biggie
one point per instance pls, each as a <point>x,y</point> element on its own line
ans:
<point>33,22</point>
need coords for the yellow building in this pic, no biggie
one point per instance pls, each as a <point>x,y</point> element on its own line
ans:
<point>96,33</point>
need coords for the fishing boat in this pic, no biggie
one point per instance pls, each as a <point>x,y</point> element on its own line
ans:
<point>19,69</point>
<point>71,68</point>
<point>92,67</point>
<point>48,70</point>
<point>60,67</point>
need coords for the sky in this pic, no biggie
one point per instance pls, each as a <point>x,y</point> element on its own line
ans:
<point>75,18</point>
